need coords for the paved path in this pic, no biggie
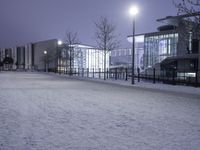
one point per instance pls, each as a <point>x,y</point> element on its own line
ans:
<point>44,112</point>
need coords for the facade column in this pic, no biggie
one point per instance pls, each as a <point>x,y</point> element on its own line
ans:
<point>30,56</point>
<point>15,56</point>
<point>26,57</point>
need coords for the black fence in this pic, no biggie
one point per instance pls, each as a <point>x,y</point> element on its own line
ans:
<point>174,77</point>
<point>154,76</point>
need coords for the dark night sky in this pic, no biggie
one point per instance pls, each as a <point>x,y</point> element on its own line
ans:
<point>24,21</point>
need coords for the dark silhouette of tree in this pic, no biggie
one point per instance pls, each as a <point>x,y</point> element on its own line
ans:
<point>1,65</point>
<point>191,9</point>
<point>8,60</point>
<point>71,38</point>
<point>105,37</point>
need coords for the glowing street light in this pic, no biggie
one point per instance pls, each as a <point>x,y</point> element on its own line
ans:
<point>45,53</point>
<point>60,42</point>
<point>133,12</point>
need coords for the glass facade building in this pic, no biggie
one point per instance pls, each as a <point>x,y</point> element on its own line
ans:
<point>82,57</point>
<point>122,58</point>
<point>139,52</point>
<point>159,47</point>
<point>89,58</point>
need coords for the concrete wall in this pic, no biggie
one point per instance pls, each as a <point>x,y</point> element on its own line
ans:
<point>28,56</point>
<point>14,56</point>
<point>39,58</point>
<point>2,54</point>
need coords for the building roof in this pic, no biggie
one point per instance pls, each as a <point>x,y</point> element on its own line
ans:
<point>169,21</point>
<point>174,20</point>
<point>181,57</point>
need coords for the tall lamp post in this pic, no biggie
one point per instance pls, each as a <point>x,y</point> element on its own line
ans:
<point>60,43</point>
<point>45,54</point>
<point>133,12</point>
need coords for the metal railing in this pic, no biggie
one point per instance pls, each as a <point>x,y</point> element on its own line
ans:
<point>125,74</point>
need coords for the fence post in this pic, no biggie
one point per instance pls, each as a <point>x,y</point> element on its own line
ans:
<point>99,73</point>
<point>93,72</point>
<point>70,71</point>
<point>138,70</point>
<point>115,73</point>
<point>59,70</point>
<point>173,77</point>
<point>82,72</point>
<point>126,78</point>
<point>76,71</point>
<point>154,75</point>
<point>123,74</point>
<point>196,78</point>
<point>87,72</point>
<point>107,73</point>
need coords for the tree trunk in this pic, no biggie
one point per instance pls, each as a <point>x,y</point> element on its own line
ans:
<point>104,65</point>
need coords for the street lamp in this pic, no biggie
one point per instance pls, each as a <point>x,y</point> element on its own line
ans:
<point>45,54</point>
<point>133,12</point>
<point>60,42</point>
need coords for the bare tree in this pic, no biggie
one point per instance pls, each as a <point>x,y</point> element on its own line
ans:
<point>71,38</point>
<point>191,10</point>
<point>105,37</point>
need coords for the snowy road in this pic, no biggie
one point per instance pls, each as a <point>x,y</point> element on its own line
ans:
<point>45,112</point>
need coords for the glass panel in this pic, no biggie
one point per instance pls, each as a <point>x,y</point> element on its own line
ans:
<point>158,48</point>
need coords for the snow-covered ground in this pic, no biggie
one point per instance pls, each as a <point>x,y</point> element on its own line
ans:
<point>148,85</point>
<point>47,112</point>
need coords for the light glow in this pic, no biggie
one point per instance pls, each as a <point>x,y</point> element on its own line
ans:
<point>45,52</point>
<point>133,10</point>
<point>60,42</point>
